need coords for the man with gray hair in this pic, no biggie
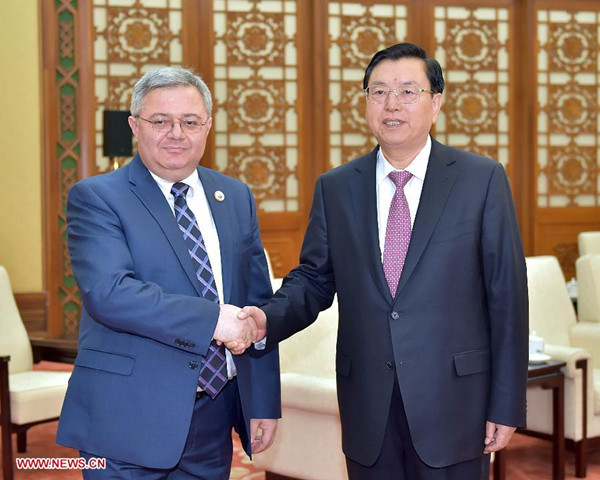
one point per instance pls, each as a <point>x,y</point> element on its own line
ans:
<point>163,250</point>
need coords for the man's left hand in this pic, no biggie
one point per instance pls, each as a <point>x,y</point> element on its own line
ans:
<point>496,436</point>
<point>262,433</point>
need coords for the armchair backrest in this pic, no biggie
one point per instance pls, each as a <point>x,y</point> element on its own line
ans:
<point>551,311</point>
<point>588,242</point>
<point>311,351</point>
<point>588,286</point>
<point>14,340</point>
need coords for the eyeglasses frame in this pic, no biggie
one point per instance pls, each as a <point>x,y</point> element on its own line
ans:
<point>390,90</point>
<point>173,122</point>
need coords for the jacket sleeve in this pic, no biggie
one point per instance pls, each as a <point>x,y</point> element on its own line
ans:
<point>310,287</point>
<point>506,292</point>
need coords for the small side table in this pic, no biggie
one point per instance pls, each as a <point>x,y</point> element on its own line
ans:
<point>59,349</point>
<point>548,376</point>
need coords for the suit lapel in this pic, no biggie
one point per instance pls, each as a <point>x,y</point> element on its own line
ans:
<point>439,181</point>
<point>145,188</point>
<point>221,213</point>
<point>364,201</point>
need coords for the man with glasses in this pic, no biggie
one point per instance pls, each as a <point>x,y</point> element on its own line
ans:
<point>421,244</point>
<point>163,250</point>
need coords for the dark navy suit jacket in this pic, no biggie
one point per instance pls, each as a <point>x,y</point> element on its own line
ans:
<point>144,324</point>
<point>455,335</point>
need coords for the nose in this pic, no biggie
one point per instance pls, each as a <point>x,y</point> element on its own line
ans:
<point>176,130</point>
<point>392,102</point>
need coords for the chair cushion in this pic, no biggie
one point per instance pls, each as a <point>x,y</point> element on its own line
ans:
<point>308,446</point>
<point>588,242</point>
<point>310,393</point>
<point>588,283</point>
<point>37,395</point>
<point>551,311</point>
<point>312,351</point>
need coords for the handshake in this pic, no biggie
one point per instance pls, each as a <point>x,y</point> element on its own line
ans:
<point>239,328</point>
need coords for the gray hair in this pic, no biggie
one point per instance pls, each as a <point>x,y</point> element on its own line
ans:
<point>164,78</point>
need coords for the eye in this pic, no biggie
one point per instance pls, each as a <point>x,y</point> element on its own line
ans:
<point>191,123</point>
<point>158,122</point>
<point>409,91</point>
<point>378,91</point>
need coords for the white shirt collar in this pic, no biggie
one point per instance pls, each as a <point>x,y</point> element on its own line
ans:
<point>418,167</point>
<point>193,180</point>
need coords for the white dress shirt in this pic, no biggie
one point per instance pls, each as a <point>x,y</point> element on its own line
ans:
<point>198,204</point>
<point>386,189</point>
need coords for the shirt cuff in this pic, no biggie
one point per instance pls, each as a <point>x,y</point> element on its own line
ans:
<point>261,344</point>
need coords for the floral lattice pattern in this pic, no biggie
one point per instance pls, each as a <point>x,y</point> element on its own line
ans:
<point>474,51</point>
<point>568,125</point>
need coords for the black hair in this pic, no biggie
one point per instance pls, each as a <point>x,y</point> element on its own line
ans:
<point>433,69</point>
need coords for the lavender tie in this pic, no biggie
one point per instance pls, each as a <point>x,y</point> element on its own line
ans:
<point>397,232</point>
<point>213,371</point>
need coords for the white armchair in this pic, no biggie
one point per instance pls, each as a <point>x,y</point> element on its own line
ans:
<point>587,336</point>
<point>27,397</point>
<point>308,443</point>
<point>552,316</point>
<point>588,242</point>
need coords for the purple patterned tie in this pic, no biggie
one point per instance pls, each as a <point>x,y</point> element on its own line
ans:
<point>213,371</point>
<point>397,232</point>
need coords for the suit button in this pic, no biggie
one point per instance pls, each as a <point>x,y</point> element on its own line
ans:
<point>395,315</point>
<point>193,365</point>
<point>178,342</point>
<point>192,345</point>
<point>389,365</point>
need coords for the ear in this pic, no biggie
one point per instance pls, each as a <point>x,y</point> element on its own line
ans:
<point>208,125</point>
<point>436,101</point>
<point>133,124</point>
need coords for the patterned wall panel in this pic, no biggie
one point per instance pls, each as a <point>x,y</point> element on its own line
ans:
<point>68,153</point>
<point>256,94</point>
<point>356,32</point>
<point>473,49</point>
<point>131,38</point>
<point>568,82</point>
<point>259,55</point>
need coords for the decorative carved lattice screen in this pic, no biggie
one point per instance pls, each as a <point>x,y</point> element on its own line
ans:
<point>287,81</point>
<point>65,150</point>
<point>356,33</point>
<point>131,37</point>
<point>568,126</point>
<point>472,47</point>
<point>256,94</point>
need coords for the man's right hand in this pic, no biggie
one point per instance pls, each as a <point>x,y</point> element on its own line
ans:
<point>259,318</point>
<point>231,328</point>
<point>253,315</point>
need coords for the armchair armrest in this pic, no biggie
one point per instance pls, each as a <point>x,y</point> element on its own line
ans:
<point>586,335</point>
<point>569,355</point>
<point>4,359</point>
<point>306,392</point>
<point>5,414</point>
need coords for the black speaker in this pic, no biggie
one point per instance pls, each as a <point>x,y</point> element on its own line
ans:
<point>117,136</point>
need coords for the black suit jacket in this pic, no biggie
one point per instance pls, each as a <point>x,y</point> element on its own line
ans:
<point>455,335</point>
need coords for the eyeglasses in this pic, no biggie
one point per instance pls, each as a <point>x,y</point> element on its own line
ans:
<point>408,94</point>
<point>164,125</point>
